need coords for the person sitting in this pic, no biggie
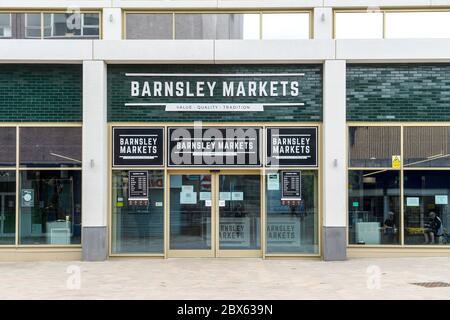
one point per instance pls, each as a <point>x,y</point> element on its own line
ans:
<point>433,228</point>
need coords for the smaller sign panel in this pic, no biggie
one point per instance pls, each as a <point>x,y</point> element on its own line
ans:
<point>138,146</point>
<point>284,232</point>
<point>292,146</point>
<point>138,188</point>
<point>396,162</point>
<point>291,186</point>
<point>273,181</point>
<point>412,201</point>
<point>27,198</point>
<point>441,199</point>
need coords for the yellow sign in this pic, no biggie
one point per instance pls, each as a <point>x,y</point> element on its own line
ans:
<point>396,162</point>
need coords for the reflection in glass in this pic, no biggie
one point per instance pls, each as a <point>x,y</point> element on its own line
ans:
<point>50,146</point>
<point>50,207</point>
<point>427,146</point>
<point>417,24</point>
<point>373,146</point>
<point>149,26</point>
<point>138,229</point>
<point>286,26</point>
<point>7,207</point>
<point>7,146</point>
<point>292,229</point>
<point>216,26</point>
<point>190,217</point>
<point>359,25</point>
<point>425,193</point>
<point>374,207</point>
<point>239,216</point>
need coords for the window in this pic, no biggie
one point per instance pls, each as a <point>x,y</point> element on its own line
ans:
<point>217,26</point>
<point>427,214</point>
<point>373,146</point>
<point>427,147</point>
<point>50,207</point>
<point>179,25</point>
<point>359,25</point>
<point>292,228</point>
<point>50,147</point>
<point>5,25</point>
<point>149,26</point>
<point>137,228</point>
<point>7,146</point>
<point>391,24</point>
<point>7,207</point>
<point>285,26</point>
<point>33,25</point>
<point>374,207</point>
<point>417,24</point>
<point>374,197</point>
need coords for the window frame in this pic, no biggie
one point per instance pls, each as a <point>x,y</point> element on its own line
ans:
<point>10,26</point>
<point>19,169</point>
<point>384,11</point>
<point>259,12</point>
<point>401,170</point>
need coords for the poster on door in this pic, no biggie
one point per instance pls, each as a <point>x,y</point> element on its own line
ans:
<point>138,188</point>
<point>234,232</point>
<point>283,232</point>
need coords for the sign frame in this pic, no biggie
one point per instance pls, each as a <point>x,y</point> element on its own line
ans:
<point>285,197</point>
<point>266,156</point>
<point>260,148</point>
<point>163,153</point>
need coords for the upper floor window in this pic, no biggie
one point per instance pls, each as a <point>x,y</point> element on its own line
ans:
<point>391,24</point>
<point>48,25</point>
<point>5,25</point>
<point>251,25</point>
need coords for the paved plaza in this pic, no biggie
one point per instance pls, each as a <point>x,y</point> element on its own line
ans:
<point>226,279</point>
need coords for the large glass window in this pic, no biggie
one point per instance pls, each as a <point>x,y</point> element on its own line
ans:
<point>292,228</point>
<point>216,26</point>
<point>50,207</point>
<point>427,215</point>
<point>374,207</point>
<point>138,228</point>
<point>359,25</point>
<point>373,146</point>
<point>50,147</point>
<point>427,146</point>
<point>32,25</point>
<point>7,207</point>
<point>285,26</point>
<point>149,26</point>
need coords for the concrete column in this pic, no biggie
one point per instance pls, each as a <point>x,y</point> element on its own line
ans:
<point>95,162</point>
<point>323,23</point>
<point>112,24</point>
<point>334,239</point>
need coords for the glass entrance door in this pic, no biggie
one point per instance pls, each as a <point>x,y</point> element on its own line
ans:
<point>215,215</point>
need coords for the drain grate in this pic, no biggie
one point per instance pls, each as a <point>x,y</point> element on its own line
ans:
<point>437,284</point>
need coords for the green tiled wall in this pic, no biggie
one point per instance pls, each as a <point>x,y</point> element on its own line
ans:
<point>40,92</point>
<point>310,95</point>
<point>398,92</point>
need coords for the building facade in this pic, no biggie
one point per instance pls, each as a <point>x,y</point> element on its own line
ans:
<point>269,129</point>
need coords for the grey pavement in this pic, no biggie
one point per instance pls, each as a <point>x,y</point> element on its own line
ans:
<point>226,278</point>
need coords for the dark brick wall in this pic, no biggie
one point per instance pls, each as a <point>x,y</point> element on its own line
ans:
<point>398,92</point>
<point>310,90</point>
<point>40,92</point>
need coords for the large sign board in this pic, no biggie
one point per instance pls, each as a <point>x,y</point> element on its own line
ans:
<point>214,146</point>
<point>292,146</point>
<point>138,146</point>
